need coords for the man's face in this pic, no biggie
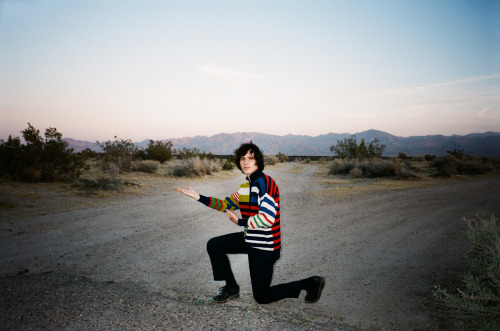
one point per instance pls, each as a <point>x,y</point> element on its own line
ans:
<point>248,164</point>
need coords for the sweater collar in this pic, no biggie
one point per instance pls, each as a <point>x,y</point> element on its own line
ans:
<point>254,175</point>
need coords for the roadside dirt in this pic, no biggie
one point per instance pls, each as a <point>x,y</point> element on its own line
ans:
<point>137,260</point>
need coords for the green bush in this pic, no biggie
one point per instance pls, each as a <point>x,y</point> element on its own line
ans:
<point>429,157</point>
<point>47,159</point>
<point>228,164</point>
<point>159,151</point>
<point>196,166</point>
<point>475,303</point>
<point>119,153</point>
<point>349,148</point>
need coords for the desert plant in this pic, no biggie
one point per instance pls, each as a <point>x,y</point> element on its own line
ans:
<point>475,303</point>
<point>118,152</point>
<point>47,159</point>
<point>446,166</point>
<point>349,148</point>
<point>429,157</point>
<point>450,165</point>
<point>341,167</point>
<point>149,166</point>
<point>11,158</point>
<point>228,163</point>
<point>159,151</point>
<point>270,160</point>
<point>402,156</point>
<point>471,167</point>
<point>457,153</point>
<point>372,168</point>
<point>282,157</point>
<point>195,166</point>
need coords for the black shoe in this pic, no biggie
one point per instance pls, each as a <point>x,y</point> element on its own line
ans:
<point>227,293</point>
<point>314,288</point>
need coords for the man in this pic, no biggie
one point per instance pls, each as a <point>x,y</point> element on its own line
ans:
<point>258,200</point>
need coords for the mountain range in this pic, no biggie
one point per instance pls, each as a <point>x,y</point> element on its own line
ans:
<point>475,144</point>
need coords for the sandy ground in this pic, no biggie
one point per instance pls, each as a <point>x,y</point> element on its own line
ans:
<point>137,260</point>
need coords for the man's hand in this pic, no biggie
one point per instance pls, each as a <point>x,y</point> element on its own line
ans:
<point>189,192</point>
<point>232,216</point>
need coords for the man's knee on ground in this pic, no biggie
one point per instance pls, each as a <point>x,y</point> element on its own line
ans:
<point>262,298</point>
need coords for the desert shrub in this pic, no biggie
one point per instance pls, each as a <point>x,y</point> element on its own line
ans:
<point>474,304</point>
<point>356,173</point>
<point>349,148</point>
<point>270,160</point>
<point>372,168</point>
<point>195,166</point>
<point>381,168</point>
<point>228,164</point>
<point>88,153</point>
<point>429,157</point>
<point>446,166</point>
<point>118,152</point>
<point>457,153</point>
<point>491,163</point>
<point>11,158</point>
<point>113,168</point>
<point>402,156</point>
<point>149,166</point>
<point>471,167</point>
<point>341,167</point>
<point>159,151</point>
<point>282,157</point>
<point>47,159</point>
<point>450,165</point>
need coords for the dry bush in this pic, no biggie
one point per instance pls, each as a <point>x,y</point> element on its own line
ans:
<point>356,173</point>
<point>372,168</point>
<point>149,166</point>
<point>341,167</point>
<point>270,160</point>
<point>196,166</point>
<point>451,165</point>
<point>474,303</point>
<point>112,167</point>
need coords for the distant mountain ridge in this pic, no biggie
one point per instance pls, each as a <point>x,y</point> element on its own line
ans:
<point>475,144</point>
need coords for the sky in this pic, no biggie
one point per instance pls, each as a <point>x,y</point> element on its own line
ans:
<point>179,68</point>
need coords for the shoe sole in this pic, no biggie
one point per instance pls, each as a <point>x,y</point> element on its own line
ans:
<point>234,296</point>
<point>321,286</point>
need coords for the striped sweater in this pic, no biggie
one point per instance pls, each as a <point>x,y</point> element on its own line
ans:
<point>259,203</point>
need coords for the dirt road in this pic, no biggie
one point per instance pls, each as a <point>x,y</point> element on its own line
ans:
<point>142,256</point>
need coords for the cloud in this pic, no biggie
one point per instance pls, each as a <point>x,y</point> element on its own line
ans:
<point>434,85</point>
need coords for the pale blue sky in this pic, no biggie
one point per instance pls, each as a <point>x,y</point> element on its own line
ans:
<point>170,69</point>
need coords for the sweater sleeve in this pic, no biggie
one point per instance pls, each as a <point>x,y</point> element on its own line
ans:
<point>229,203</point>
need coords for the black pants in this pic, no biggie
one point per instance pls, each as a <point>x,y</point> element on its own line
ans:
<point>261,270</point>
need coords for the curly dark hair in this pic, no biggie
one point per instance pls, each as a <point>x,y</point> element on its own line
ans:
<point>253,149</point>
